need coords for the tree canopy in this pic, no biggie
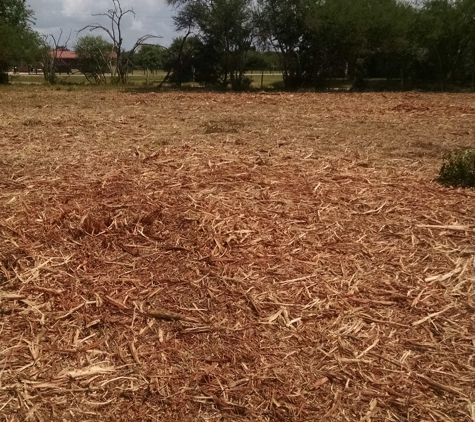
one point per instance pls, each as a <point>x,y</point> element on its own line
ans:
<point>150,57</point>
<point>95,56</point>
<point>429,41</point>
<point>18,40</point>
<point>226,31</point>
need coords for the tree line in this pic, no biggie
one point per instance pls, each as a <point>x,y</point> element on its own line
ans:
<point>425,43</point>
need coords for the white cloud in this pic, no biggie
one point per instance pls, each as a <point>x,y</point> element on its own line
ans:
<point>82,10</point>
<point>151,17</point>
<point>137,25</point>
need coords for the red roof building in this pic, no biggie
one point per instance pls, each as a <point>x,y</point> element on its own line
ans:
<point>63,54</point>
<point>66,60</point>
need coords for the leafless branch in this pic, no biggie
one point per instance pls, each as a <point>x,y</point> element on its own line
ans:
<point>115,15</point>
<point>50,54</point>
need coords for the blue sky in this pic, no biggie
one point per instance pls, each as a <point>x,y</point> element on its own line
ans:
<point>151,17</point>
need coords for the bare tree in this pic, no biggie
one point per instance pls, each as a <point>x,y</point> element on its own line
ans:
<point>51,46</point>
<point>115,15</point>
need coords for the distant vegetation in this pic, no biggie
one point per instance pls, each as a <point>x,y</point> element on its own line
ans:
<point>427,44</point>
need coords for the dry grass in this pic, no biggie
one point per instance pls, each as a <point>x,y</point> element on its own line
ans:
<point>252,257</point>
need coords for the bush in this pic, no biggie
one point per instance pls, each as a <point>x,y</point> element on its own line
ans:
<point>3,78</point>
<point>241,83</point>
<point>458,168</point>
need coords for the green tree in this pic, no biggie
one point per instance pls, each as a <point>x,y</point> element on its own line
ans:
<point>95,57</point>
<point>315,38</point>
<point>359,29</point>
<point>18,41</point>
<point>282,27</point>
<point>189,59</point>
<point>179,59</point>
<point>443,38</point>
<point>150,57</point>
<point>225,26</point>
<point>257,61</point>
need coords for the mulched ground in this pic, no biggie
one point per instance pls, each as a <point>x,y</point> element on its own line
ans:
<point>234,257</point>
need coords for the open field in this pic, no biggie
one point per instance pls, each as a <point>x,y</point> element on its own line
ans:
<point>234,257</point>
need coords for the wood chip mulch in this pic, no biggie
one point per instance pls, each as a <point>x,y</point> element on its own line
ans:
<point>238,257</point>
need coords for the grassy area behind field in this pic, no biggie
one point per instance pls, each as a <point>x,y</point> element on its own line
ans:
<point>266,81</point>
<point>139,78</point>
<point>77,78</point>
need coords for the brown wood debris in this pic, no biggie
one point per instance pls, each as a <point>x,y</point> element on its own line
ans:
<point>240,257</point>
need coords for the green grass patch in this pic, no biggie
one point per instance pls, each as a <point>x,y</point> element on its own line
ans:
<point>267,81</point>
<point>137,78</point>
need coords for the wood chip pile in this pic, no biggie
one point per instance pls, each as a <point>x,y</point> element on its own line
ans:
<point>238,257</point>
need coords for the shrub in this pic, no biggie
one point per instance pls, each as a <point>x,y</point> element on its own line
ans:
<point>3,78</point>
<point>458,168</point>
<point>241,83</point>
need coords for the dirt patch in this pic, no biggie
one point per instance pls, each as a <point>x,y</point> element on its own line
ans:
<point>239,257</point>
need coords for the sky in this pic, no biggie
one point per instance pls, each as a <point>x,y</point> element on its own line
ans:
<point>151,17</point>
